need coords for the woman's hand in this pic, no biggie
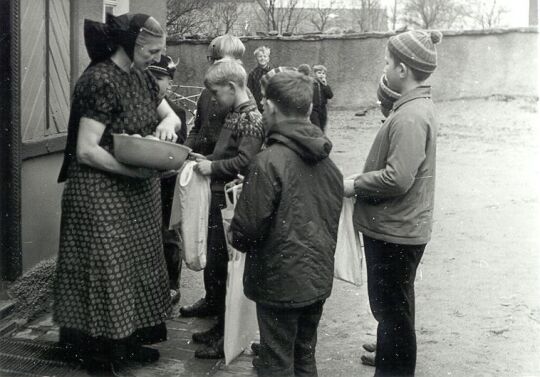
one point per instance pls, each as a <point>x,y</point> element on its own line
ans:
<point>197,157</point>
<point>144,173</point>
<point>166,131</point>
<point>204,167</point>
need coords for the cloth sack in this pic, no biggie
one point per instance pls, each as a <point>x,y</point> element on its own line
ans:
<point>348,257</point>
<point>189,214</point>
<point>240,312</point>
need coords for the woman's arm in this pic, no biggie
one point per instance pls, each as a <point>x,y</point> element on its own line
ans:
<point>170,122</point>
<point>90,153</point>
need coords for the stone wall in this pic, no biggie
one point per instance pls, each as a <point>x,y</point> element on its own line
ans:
<point>471,64</point>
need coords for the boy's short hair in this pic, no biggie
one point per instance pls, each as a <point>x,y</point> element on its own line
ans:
<point>291,92</point>
<point>263,49</point>
<point>319,68</point>
<point>226,45</point>
<point>225,71</point>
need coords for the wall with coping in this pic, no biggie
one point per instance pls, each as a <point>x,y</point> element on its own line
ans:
<point>471,63</point>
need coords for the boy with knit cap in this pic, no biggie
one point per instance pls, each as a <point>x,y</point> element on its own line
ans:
<point>395,198</point>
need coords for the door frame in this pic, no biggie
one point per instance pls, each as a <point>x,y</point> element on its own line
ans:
<point>10,234</point>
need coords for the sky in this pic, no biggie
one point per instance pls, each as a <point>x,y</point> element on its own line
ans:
<point>517,15</point>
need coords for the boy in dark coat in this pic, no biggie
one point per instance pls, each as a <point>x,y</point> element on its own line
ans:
<point>321,94</point>
<point>262,55</point>
<point>240,139</point>
<point>286,221</point>
<point>395,199</point>
<point>164,71</point>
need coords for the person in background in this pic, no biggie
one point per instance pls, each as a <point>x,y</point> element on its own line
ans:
<point>395,199</point>
<point>386,98</point>
<point>262,55</point>
<point>286,220</point>
<point>241,138</point>
<point>163,72</point>
<point>111,293</point>
<point>321,94</point>
<point>305,69</point>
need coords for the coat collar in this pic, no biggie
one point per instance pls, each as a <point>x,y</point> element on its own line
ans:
<point>423,91</point>
<point>245,107</point>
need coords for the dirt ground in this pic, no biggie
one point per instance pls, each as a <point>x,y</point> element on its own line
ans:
<point>478,300</point>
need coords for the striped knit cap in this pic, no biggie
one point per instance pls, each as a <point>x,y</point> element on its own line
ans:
<point>273,72</point>
<point>416,49</point>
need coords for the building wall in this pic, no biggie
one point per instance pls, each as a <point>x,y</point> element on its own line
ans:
<point>471,64</point>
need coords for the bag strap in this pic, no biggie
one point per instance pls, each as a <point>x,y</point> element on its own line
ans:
<point>233,188</point>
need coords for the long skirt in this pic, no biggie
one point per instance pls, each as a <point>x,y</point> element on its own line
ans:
<point>111,278</point>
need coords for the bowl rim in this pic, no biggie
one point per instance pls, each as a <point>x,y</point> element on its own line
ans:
<point>150,140</point>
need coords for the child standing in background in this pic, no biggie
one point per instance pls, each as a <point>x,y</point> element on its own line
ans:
<point>321,94</point>
<point>262,55</point>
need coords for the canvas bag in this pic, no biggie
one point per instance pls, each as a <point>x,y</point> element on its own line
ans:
<point>189,214</point>
<point>240,312</point>
<point>348,256</point>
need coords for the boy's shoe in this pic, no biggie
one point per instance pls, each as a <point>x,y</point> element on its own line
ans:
<point>175,296</point>
<point>368,360</point>
<point>208,337</point>
<point>213,351</point>
<point>370,347</point>
<point>199,309</point>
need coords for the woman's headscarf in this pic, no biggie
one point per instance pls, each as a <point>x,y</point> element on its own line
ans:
<point>102,39</point>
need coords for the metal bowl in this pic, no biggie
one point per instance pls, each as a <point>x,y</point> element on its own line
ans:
<point>149,153</point>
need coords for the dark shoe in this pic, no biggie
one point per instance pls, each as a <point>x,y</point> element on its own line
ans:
<point>199,309</point>
<point>370,347</point>
<point>368,360</point>
<point>213,351</point>
<point>98,365</point>
<point>142,354</point>
<point>256,348</point>
<point>208,337</point>
<point>175,296</point>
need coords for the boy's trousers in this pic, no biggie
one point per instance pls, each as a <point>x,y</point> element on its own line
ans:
<point>172,242</point>
<point>288,340</point>
<point>217,258</point>
<point>391,270</point>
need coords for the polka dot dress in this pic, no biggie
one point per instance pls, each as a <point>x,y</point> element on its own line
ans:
<point>111,277</point>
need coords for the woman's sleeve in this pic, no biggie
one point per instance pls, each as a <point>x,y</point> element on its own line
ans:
<point>97,100</point>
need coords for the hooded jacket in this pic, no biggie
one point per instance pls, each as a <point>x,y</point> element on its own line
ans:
<point>287,218</point>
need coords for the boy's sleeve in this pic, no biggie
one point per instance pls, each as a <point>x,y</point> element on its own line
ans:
<point>328,91</point>
<point>406,153</point>
<point>255,209</point>
<point>251,137</point>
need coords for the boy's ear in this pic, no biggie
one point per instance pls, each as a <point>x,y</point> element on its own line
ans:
<point>232,86</point>
<point>403,70</point>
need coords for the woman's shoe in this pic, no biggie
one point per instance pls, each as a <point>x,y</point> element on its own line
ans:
<point>142,354</point>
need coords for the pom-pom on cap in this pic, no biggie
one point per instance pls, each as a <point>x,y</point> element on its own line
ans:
<point>436,36</point>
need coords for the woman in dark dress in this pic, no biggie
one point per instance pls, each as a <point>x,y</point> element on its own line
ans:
<point>111,287</point>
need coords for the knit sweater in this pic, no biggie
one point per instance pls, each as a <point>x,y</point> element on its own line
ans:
<point>396,191</point>
<point>240,139</point>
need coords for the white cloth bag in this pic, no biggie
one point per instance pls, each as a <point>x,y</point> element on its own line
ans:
<point>348,257</point>
<point>240,312</point>
<point>189,213</point>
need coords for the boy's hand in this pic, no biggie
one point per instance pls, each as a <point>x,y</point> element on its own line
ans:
<point>348,185</point>
<point>204,167</point>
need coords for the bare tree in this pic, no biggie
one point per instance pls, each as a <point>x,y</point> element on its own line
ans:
<point>223,17</point>
<point>487,14</point>
<point>282,16</point>
<point>321,15</point>
<point>394,14</point>
<point>371,16</point>
<point>185,16</point>
<point>429,14</point>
